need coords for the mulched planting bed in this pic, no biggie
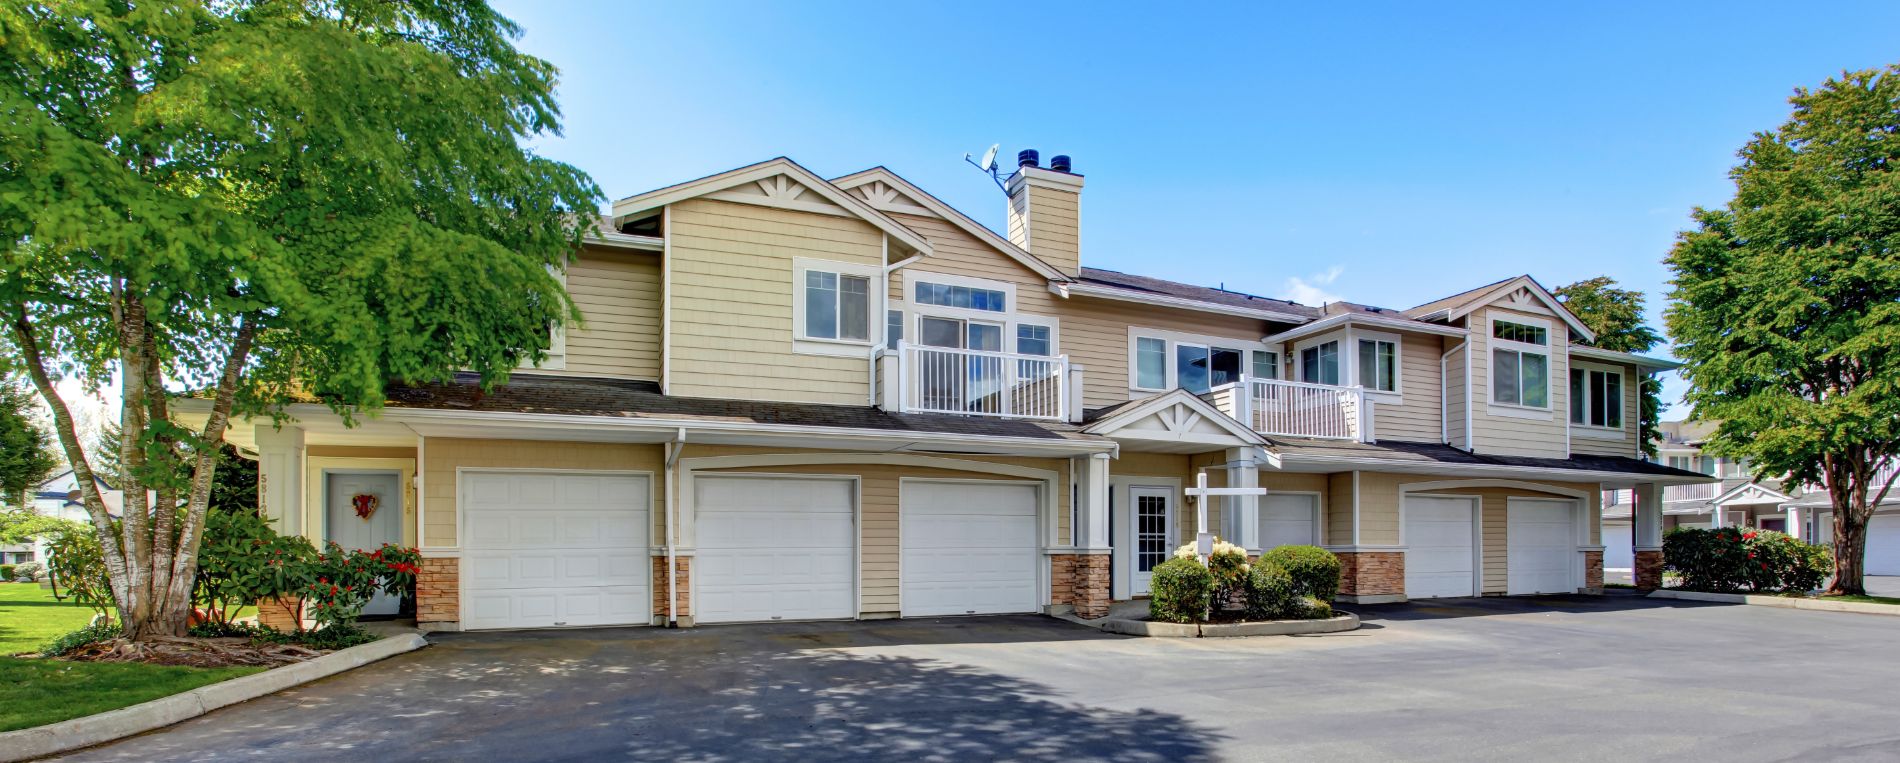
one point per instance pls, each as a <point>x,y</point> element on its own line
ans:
<point>195,652</point>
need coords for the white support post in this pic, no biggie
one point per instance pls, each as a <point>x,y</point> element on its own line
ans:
<point>1647,516</point>
<point>1243,402</point>
<point>890,381</point>
<point>1793,523</point>
<point>1076,410</point>
<point>1091,537</point>
<point>280,465</point>
<point>1242,517</point>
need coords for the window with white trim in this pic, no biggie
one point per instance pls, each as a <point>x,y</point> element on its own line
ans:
<point>1596,397</point>
<point>1266,364</point>
<point>893,327</point>
<point>1151,363</point>
<point>1033,339</point>
<point>1165,360</point>
<point>1520,364</point>
<point>965,297</point>
<point>1379,364</point>
<point>834,304</point>
<point>1199,368</point>
<point>1319,364</point>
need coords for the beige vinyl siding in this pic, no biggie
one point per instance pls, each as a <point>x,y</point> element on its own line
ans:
<point>957,252</point>
<point>1055,226</point>
<point>1632,401</point>
<point>732,302</point>
<point>1339,498</point>
<point>1095,336</point>
<point>1456,381</point>
<point>359,451</point>
<point>618,294</point>
<point>879,534</point>
<point>442,456</point>
<point>1417,418</point>
<point>1494,522</point>
<point>1511,435</point>
<point>1379,508</point>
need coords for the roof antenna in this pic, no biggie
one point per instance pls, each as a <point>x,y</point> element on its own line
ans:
<point>988,166</point>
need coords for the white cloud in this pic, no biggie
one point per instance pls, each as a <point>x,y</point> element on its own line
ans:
<point>1311,289</point>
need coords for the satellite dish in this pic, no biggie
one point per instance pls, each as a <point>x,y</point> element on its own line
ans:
<point>989,158</point>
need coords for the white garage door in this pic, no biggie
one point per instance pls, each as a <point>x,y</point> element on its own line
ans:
<point>1619,548</point>
<point>775,548</point>
<point>555,549</point>
<point>968,548</point>
<point>1883,545</point>
<point>1289,519</point>
<point>1541,546</point>
<point>1438,547</point>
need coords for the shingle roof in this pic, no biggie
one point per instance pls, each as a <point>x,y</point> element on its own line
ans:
<point>1439,453</point>
<point>1178,290</point>
<point>1460,299</point>
<point>626,399</point>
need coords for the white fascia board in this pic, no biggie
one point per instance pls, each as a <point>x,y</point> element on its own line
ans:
<point>626,241</point>
<point>661,197</point>
<point>956,218</point>
<point>1360,319</point>
<point>1640,361</point>
<point>1520,472</point>
<point>1110,292</point>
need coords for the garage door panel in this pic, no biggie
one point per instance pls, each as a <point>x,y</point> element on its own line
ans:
<point>606,605</point>
<point>549,549</point>
<point>775,549</point>
<point>1883,545</point>
<point>969,548</point>
<point>1438,547</point>
<point>1541,546</point>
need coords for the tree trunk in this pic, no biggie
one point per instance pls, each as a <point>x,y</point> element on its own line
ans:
<point>1850,550</point>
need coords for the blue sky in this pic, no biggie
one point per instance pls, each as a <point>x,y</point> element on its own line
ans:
<point>1389,155</point>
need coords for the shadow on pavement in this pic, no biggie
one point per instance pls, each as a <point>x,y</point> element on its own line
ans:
<point>1489,606</point>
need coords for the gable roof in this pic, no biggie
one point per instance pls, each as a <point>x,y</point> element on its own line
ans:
<point>1751,493</point>
<point>1464,303</point>
<point>926,204</point>
<point>1181,415</point>
<point>1116,285</point>
<point>766,170</point>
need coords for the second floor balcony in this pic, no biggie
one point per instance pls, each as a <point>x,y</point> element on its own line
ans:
<point>1297,409</point>
<point>981,383</point>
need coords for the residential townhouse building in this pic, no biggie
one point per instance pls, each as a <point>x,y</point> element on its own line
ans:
<point>804,398</point>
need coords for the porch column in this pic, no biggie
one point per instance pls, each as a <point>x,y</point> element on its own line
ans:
<point>1793,523</point>
<point>1647,515</point>
<point>1241,519</point>
<point>280,463</point>
<point>1083,578</point>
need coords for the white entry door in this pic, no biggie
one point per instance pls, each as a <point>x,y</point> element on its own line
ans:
<point>1289,519</point>
<point>775,548</point>
<point>1151,522</point>
<point>1541,546</point>
<point>348,496</point>
<point>555,549</point>
<point>969,548</point>
<point>1439,550</point>
<point>1883,545</point>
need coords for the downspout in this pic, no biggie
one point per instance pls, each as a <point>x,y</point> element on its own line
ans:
<point>673,450</point>
<point>1444,391</point>
<point>1471,438</point>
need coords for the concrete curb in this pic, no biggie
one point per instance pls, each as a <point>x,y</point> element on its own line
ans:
<point>66,736</point>
<point>1343,621</point>
<point>1784,602</point>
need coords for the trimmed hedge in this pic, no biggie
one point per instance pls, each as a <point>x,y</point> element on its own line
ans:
<point>1731,559</point>
<point>1180,591</point>
<point>1315,570</point>
<point>6,572</point>
<point>1271,592</point>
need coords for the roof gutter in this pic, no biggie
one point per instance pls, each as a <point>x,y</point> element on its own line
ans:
<point>1329,323</point>
<point>1478,470</point>
<point>1109,292</point>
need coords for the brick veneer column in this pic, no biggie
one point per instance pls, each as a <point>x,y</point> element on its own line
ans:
<point>439,594</point>
<point>1091,594</point>
<point>1649,569</point>
<point>1372,574</point>
<point>1593,572</point>
<point>1061,580</point>
<point>683,578</point>
<point>280,614</point>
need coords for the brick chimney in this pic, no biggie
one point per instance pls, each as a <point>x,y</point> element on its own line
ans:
<point>1045,210</point>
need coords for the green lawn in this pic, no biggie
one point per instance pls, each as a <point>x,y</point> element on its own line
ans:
<point>35,692</point>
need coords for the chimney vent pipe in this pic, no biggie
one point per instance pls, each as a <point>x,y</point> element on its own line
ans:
<point>1028,158</point>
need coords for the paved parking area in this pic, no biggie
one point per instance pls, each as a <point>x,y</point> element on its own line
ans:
<point>1555,678</point>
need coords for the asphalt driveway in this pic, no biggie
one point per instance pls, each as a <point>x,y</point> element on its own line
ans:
<point>1576,678</point>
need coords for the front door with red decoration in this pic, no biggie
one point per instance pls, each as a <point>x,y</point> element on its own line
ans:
<point>363,510</point>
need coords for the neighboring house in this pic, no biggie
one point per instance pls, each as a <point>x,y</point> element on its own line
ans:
<point>818,399</point>
<point>1883,530</point>
<point>57,497</point>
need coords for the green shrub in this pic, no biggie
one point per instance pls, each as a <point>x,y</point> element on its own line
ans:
<point>340,636</point>
<point>80,565</point>
<point>1315,571</point>
<point>1732,559</point>
<point>6,572</point>
<point>1314,609</point>
<point>73,641</point>
<point>29,572</point>
<point>1180,591</point>
<point>1271,592</point>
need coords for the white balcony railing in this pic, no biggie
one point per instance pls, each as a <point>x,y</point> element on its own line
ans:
<point>1670,494</point>
<point>1302,409</point>
<point>976,382</point>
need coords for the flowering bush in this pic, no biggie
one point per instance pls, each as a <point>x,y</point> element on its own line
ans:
<point>345,580</point>
<point>1731,559</point>
<point>1315,571</point>
<point>244,561</point>
<point>28,572</point>
<point>1228,587</point>
<point>1180,591</point>
<point>398,567</point>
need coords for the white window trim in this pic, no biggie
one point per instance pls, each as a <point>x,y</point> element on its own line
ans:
<point>1298,356</point>
<point>1173,338</point>
<point>878,296</point>
<point>1279,363</point>
<point>915,312</point>
<point>1587,430</point>
<point>1397,393</point>
<point>1498,407</point>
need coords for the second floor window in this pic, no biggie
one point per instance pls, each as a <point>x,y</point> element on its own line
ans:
<point>1151,363</point>
<point>1266,365</point>
<point>1520,364</point>
<point>1596,398</point>
<point>837,306</point>
<point>1032,339</point>
<point>966,297</point>
<point>1199,368</point>
<point>1319,364</point>
<point>1379,365</point>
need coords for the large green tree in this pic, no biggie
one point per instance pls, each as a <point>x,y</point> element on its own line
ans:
<point>26,450</point>
<point>1787,303</point>
<point>255,200</point>
<point>1616,317</point>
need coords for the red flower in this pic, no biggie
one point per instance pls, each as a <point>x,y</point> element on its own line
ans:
<point>1750,535</point>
